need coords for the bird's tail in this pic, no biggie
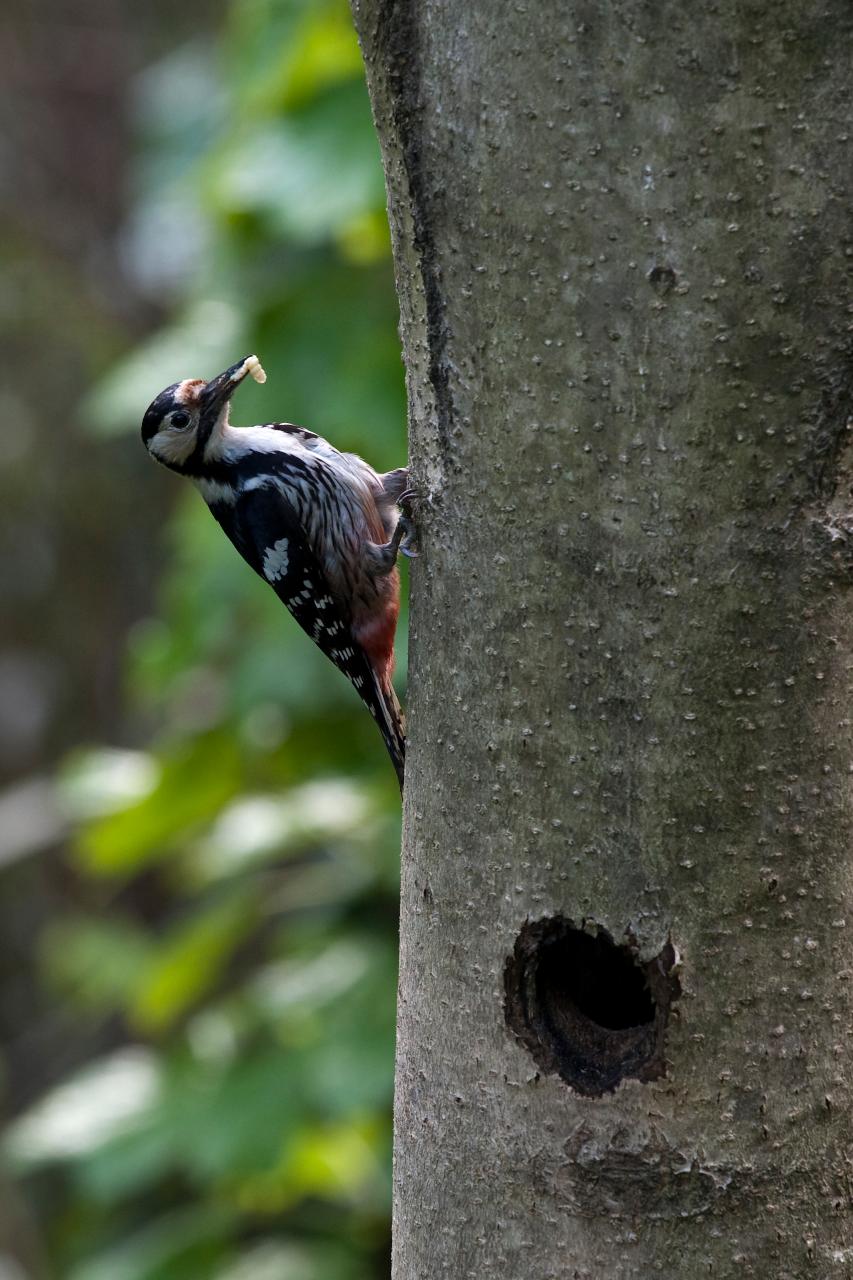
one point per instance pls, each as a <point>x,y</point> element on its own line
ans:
<point>392,726</point>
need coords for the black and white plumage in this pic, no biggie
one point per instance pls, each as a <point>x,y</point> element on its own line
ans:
<point>320,526</point>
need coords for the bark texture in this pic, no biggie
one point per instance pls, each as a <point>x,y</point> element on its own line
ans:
<point>623,247</point>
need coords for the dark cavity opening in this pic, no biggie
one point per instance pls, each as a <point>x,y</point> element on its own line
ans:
<point>601,980</point>
<point>587,1007</point>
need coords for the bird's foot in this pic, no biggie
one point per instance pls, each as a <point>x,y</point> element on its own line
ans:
<point>381,557</point>
<point>407,502</point>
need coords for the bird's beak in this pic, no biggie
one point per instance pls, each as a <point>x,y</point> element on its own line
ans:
<point>220,389</point>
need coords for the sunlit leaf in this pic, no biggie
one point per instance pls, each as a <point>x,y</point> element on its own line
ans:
<point>365,238</point>
<point>275,1260</point>
<point>256,828</point>
<point>103,780</point>
<point>309,983</point>
<point>78,1117</point>
<point>195,783</point>
<point>324,51</point>
<point>343,1160</point>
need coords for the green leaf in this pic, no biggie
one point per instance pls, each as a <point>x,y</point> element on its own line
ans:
<point>183,1245</point>
<point>307,174</point>
<point>189,963</point>
<point>236,885</point>
<point>196,781</point>
<point>96,963</point>
<point>324,52</point>
<point>341,1161</point>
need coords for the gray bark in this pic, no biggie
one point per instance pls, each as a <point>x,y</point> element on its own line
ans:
<point>623,246</point>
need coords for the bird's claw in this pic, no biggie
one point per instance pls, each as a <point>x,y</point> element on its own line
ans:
<point>407,501</point>
<point>408,543</point>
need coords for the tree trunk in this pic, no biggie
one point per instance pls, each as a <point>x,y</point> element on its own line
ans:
<point>623,252</point>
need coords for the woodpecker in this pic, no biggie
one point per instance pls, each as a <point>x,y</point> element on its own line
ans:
<point>321,527</point>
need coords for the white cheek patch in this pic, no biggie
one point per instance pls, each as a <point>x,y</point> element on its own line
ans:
<point>276,560</point>
<point>172,447</point>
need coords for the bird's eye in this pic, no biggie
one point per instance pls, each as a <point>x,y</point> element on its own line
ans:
<point>180,419</point>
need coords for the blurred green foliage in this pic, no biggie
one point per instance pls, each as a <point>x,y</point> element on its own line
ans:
<point>236,930</point>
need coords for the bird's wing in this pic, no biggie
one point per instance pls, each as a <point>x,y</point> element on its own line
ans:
<point>266,531</point>
<point>291,429</point>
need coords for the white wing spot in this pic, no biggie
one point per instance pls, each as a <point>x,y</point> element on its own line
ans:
<point>275,560</point>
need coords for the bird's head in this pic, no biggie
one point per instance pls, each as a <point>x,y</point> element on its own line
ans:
<point>184,422</point>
